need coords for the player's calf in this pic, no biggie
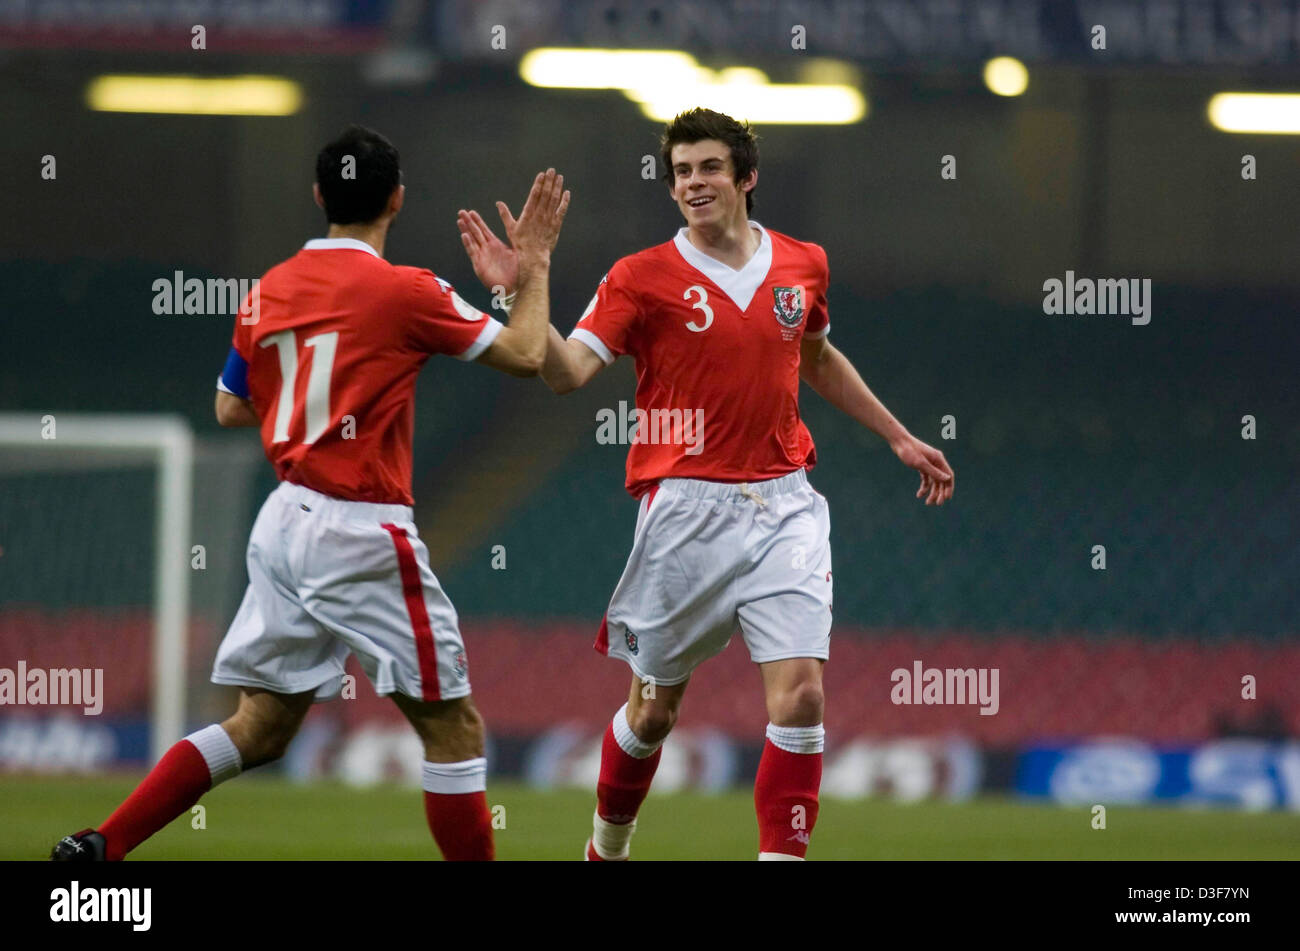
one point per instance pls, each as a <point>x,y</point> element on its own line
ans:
<point>629,757</point>
<point>258,732</point>
<point>453,776</point>
<point>790,770</point>
<point>785,790</point>
<point>187,771</point>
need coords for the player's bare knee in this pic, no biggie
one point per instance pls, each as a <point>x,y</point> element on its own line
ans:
<point>256,744</point>
<point>447,728</point>
<point>801,705</point>
<point>466,722</point>
<point>259,739</point>
<point>652,722</point>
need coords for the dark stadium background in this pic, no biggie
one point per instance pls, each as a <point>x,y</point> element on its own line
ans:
<point>1070,432</point>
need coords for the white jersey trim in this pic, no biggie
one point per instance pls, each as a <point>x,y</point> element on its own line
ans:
<point>740,286</point>
<point>337,244</point>
<point>594,343</point>
<point>484,340</point>
<point>818,334</point>
<point>221,385</point>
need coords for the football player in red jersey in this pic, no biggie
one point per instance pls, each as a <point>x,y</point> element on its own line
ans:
<point>324,361</point>
<point>723,322</point>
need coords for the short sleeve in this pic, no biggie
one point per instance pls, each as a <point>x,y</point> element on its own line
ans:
<point>608,325</point>
<point>441,321</point>
<point>819,320</point>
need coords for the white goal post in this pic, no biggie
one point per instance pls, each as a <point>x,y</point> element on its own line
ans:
<point>168,442</point>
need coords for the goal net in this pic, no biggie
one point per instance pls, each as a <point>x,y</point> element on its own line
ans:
<point>121,562</point>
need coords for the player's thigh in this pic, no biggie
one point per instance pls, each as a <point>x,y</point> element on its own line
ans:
<point>784,600</point>
<point>273,643</point>
<point>672,609</point>
<point>371,586</point>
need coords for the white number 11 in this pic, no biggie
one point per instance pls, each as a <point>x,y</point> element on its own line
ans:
<point>318,383</point>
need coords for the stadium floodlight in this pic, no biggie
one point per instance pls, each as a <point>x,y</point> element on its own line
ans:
<point>766,103</point>
<point>1268,113</point>
<point>1006,76</point>
<point>666,82</point>
<point>559,68</point>
<point>169,443</point>
<point>195,95</point>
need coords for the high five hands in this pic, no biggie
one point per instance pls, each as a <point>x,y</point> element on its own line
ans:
<point>535,231</point>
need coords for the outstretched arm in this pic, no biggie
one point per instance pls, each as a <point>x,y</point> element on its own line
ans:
<point>570,364</point>
<point>830,373</point>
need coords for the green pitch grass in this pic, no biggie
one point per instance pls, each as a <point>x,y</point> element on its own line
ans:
<point>268,818</point>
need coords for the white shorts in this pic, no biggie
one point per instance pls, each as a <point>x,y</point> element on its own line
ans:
<point>710,555</point>
<point>328,576</point>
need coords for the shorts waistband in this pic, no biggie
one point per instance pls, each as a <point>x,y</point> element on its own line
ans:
<point>701,489</point>
<point>344,509</point>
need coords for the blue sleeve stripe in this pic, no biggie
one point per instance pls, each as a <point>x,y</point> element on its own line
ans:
<point>235,374</point>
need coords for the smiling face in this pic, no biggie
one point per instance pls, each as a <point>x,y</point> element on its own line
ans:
<point>704,184</point>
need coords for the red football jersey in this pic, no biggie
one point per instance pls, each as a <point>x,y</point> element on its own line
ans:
<point>717,356</point>
<point>331,353</point>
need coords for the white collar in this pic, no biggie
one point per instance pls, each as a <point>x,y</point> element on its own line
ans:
<point>740,286</point>
<point>335,244</point>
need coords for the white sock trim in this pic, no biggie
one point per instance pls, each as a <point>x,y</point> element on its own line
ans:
<point>611,840</point>
<point>628,741</point>
<point>798,739</point>
<point>778,857</point>
<point>219,752</point>
<point>467,776</point>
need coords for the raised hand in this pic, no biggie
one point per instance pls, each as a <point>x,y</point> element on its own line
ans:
<point>538,228</point>
<point>937,478</point>
<point>495,264</point>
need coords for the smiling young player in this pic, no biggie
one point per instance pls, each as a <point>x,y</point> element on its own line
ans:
<point>325,365</point>
<point>725,318</point>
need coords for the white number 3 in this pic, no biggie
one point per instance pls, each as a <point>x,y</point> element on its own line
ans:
<point>701,304</point>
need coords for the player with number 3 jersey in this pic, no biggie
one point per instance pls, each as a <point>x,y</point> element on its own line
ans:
<point>723,322</point>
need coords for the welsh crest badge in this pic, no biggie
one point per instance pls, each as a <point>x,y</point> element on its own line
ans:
<point>789,305</point>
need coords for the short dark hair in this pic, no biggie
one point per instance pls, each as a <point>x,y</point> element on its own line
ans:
<point>358,190</point>
<point>696,125</point>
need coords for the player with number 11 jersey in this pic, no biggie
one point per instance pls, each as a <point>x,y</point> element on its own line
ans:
<point>324,360</point>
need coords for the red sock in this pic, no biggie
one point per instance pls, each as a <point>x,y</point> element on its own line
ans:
<point>624,780</point>
<point>785,798</point>
<point>461,825</point>
<point>175,784</point>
